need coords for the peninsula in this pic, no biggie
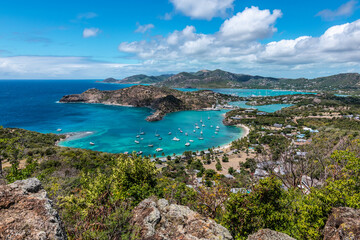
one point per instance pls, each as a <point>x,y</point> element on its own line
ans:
<point>162,100</point>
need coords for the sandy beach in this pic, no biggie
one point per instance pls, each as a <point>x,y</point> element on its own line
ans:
<point>235,158</point>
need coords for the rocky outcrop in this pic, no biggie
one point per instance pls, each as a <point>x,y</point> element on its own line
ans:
<point>343,223</point>
<point>162,100</point>
<point>267,234</point>
<point>27,213</point>
<point>159,220</point>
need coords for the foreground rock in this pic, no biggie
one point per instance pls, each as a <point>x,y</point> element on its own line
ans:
<point>158,220</point>
<point>343,223</point>
<point>267,234</point>
<point>27,213</point>
<point>162,100</point>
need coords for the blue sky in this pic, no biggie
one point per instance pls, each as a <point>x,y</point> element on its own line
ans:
<point>99,39</point>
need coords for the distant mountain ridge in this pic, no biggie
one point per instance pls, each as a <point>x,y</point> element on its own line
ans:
<point>222,79</point>
<point>212,79</point>
<point>139,79</point>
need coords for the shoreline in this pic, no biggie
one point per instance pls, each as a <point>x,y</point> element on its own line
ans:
<point>245,134</point>
<point>73,135</point>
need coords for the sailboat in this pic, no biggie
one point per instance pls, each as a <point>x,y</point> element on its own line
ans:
<point>176,139</point>
<point>150,145</point>
<point>59,130</point>
<point>137,142</point>
<point>159,149</point>
<point>191,140</point>
<point>187,144</point>
<point>91,143</point>
<point>156,134</point>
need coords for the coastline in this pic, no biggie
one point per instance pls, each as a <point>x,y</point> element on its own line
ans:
<point>73,135</point>
<point>246,132</point>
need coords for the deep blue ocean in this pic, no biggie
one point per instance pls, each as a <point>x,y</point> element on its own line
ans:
<point>32,105</point>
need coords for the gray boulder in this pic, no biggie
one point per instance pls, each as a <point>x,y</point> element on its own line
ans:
<point>27,213</point>
<point>157,219</point>
<point>267,234</point>
<point>343,224</point>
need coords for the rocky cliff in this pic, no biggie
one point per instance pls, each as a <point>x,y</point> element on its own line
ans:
<point>159,220</point>
<point>162,100</point>
<point>27,213</point>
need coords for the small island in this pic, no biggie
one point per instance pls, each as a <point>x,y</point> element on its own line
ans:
<point>162,100</point>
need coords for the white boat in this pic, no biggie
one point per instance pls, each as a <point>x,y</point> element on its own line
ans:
<point>141,138</point>
<point>142,133</point>
<point>186,134</point>
<point>216,132</point>
<point>211,126</point>
<point>139,152</point>
<point>150,145</point>
<point>208,118</point>
<point>181,131</point>
<point>176,139</point>
<point>191,140</point>
<point>201,120</point>
<point>197,127</point>
<point>126,153</point>
<point>169,133</point>
<point>201,138</point>
<point>59,130</point>
<point>157,135</point>
<point>159,150</point>
<point>137,136</point>
<point>137,142</point>
<point>201,132</point>
<point>217,127</point>
<point>194,130</point>
<point>203,125</point>
<point>187,144</point>
<point>160,138</point>
<point>196,124</point>
<point>91,143</point>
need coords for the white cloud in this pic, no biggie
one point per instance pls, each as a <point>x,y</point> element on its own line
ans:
<point>339,44</point>
<point>50,67</point>
<point>203,9</point>
<point>236,47</point>
<point>144,28</point>
<point>91,32</point>
<point>251,24</point>
<point>87,15</point>
<point>344,10</point>
<point>237,37</point>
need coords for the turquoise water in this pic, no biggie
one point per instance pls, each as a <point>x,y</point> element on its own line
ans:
<point>32,105</point>
<point>117,132</point>
<point>266,108</point>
